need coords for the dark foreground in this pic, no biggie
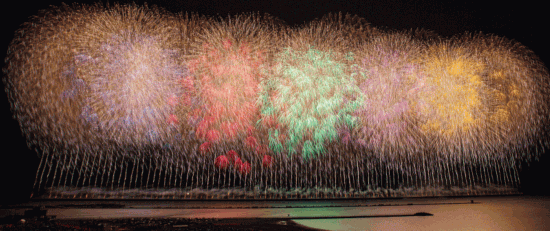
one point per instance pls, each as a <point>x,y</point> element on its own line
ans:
<point>153,224</point>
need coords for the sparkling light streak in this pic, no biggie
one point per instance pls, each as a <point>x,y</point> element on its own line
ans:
<point>135,97</point>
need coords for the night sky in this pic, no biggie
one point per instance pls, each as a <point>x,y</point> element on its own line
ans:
<point>523,21</point>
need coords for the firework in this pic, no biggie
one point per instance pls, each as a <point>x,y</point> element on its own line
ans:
<point>226,69</point>
<point>515,94</point>
<point>482,96</point>
<point>158,100</point>
<point>388,82</point>
<point>304,99</point>
<point>102,78</point>
<point>311,92</point>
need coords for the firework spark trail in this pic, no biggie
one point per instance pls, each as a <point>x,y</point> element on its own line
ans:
<point>452,107</point>
<point>229,95</point>
<point>389,83</point>
<point>136,110</point>
<point>310,92</point>
<point>484,98</point>
<point>225,72</point>
<point>102,84</point>
<point>309,102</point>
<point>516,94</point>
<point>114,84</point>
<point>132,90</point>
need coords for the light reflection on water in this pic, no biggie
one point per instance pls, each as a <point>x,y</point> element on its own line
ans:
<point>486,213</point>
<point>507,213</point>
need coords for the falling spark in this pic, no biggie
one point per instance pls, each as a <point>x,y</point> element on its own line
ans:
<point>125,98</point>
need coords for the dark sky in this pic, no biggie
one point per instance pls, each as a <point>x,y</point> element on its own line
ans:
<point>524,21</point>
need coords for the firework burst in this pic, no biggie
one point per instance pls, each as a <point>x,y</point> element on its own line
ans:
<point>515,94</point>
<point>200,103</point>
<point>481,96</point>
<point>226,69</point>
<point>389,83</point>
<point>311,93</point>
<point>108,77</point>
